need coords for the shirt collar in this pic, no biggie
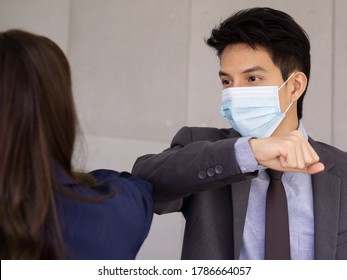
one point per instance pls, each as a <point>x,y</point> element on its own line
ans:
<point>303,130</point>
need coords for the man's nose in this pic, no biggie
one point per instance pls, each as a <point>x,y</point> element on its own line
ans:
<point>238,83</point>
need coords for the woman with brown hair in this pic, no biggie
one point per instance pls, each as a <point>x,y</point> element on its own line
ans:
<point>48,211</point>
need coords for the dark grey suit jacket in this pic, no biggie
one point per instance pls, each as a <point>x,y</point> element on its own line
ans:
<point>199,176</point>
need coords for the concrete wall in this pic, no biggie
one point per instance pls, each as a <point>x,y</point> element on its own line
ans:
<point>141,71</point>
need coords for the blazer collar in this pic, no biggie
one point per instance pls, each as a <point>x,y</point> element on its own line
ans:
<point>326,195</point>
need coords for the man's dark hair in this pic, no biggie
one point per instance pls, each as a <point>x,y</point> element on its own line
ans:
<point>277,32</point>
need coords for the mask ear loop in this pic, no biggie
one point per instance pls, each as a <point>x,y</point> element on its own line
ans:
<point>290,105</point>
<point>286,81</point>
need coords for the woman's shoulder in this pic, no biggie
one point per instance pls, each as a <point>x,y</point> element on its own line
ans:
<point>123,180</point>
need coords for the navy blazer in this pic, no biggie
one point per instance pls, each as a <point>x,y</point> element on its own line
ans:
<point>199,176</point>
<point>113,228</point>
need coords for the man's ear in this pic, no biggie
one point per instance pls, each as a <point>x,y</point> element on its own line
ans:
<point>299,82</point>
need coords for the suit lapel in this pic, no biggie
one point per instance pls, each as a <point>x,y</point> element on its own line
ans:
<point>240,194</point>
<point>326,195</point>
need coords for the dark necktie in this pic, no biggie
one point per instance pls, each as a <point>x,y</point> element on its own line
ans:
<point>277,243</point>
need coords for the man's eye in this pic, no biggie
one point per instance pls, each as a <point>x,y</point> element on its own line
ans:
<point>226,82</point>
<point>253,78</point>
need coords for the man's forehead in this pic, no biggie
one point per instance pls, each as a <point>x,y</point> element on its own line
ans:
<point>242,58</point>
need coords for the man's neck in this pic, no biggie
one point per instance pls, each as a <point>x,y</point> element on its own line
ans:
<point>286,126</point>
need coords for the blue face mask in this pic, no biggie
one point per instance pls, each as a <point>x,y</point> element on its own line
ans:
<point>253,111</point>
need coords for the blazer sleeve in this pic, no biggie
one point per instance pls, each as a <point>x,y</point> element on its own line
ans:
<point>199,159</point>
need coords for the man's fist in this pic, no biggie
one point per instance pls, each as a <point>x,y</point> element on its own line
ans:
<point>286,153</point>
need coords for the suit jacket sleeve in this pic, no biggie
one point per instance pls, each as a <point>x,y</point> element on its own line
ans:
<point>199,159</point>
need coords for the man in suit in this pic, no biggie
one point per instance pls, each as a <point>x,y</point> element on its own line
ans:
<point>218,178</point>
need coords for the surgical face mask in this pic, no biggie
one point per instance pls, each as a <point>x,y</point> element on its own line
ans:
<point>253,111</point>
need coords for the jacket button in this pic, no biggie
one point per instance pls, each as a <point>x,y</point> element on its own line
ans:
<point>211,172</point>
<point>202,174</point>
<point>218,169</point>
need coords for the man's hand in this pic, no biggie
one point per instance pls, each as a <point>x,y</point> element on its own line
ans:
<point>286,153</point>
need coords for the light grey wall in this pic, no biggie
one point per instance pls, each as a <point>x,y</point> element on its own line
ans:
<point>141,70</point>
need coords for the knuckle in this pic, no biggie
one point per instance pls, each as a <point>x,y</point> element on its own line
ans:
<point>290,143</point>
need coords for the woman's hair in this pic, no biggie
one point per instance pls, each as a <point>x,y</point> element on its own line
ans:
<point>286,42</point>
<point>37,133</point>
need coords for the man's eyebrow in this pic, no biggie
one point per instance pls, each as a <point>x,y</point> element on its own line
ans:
<point>249,70</point>
<point>254,69</point>
<point>221,73</point>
